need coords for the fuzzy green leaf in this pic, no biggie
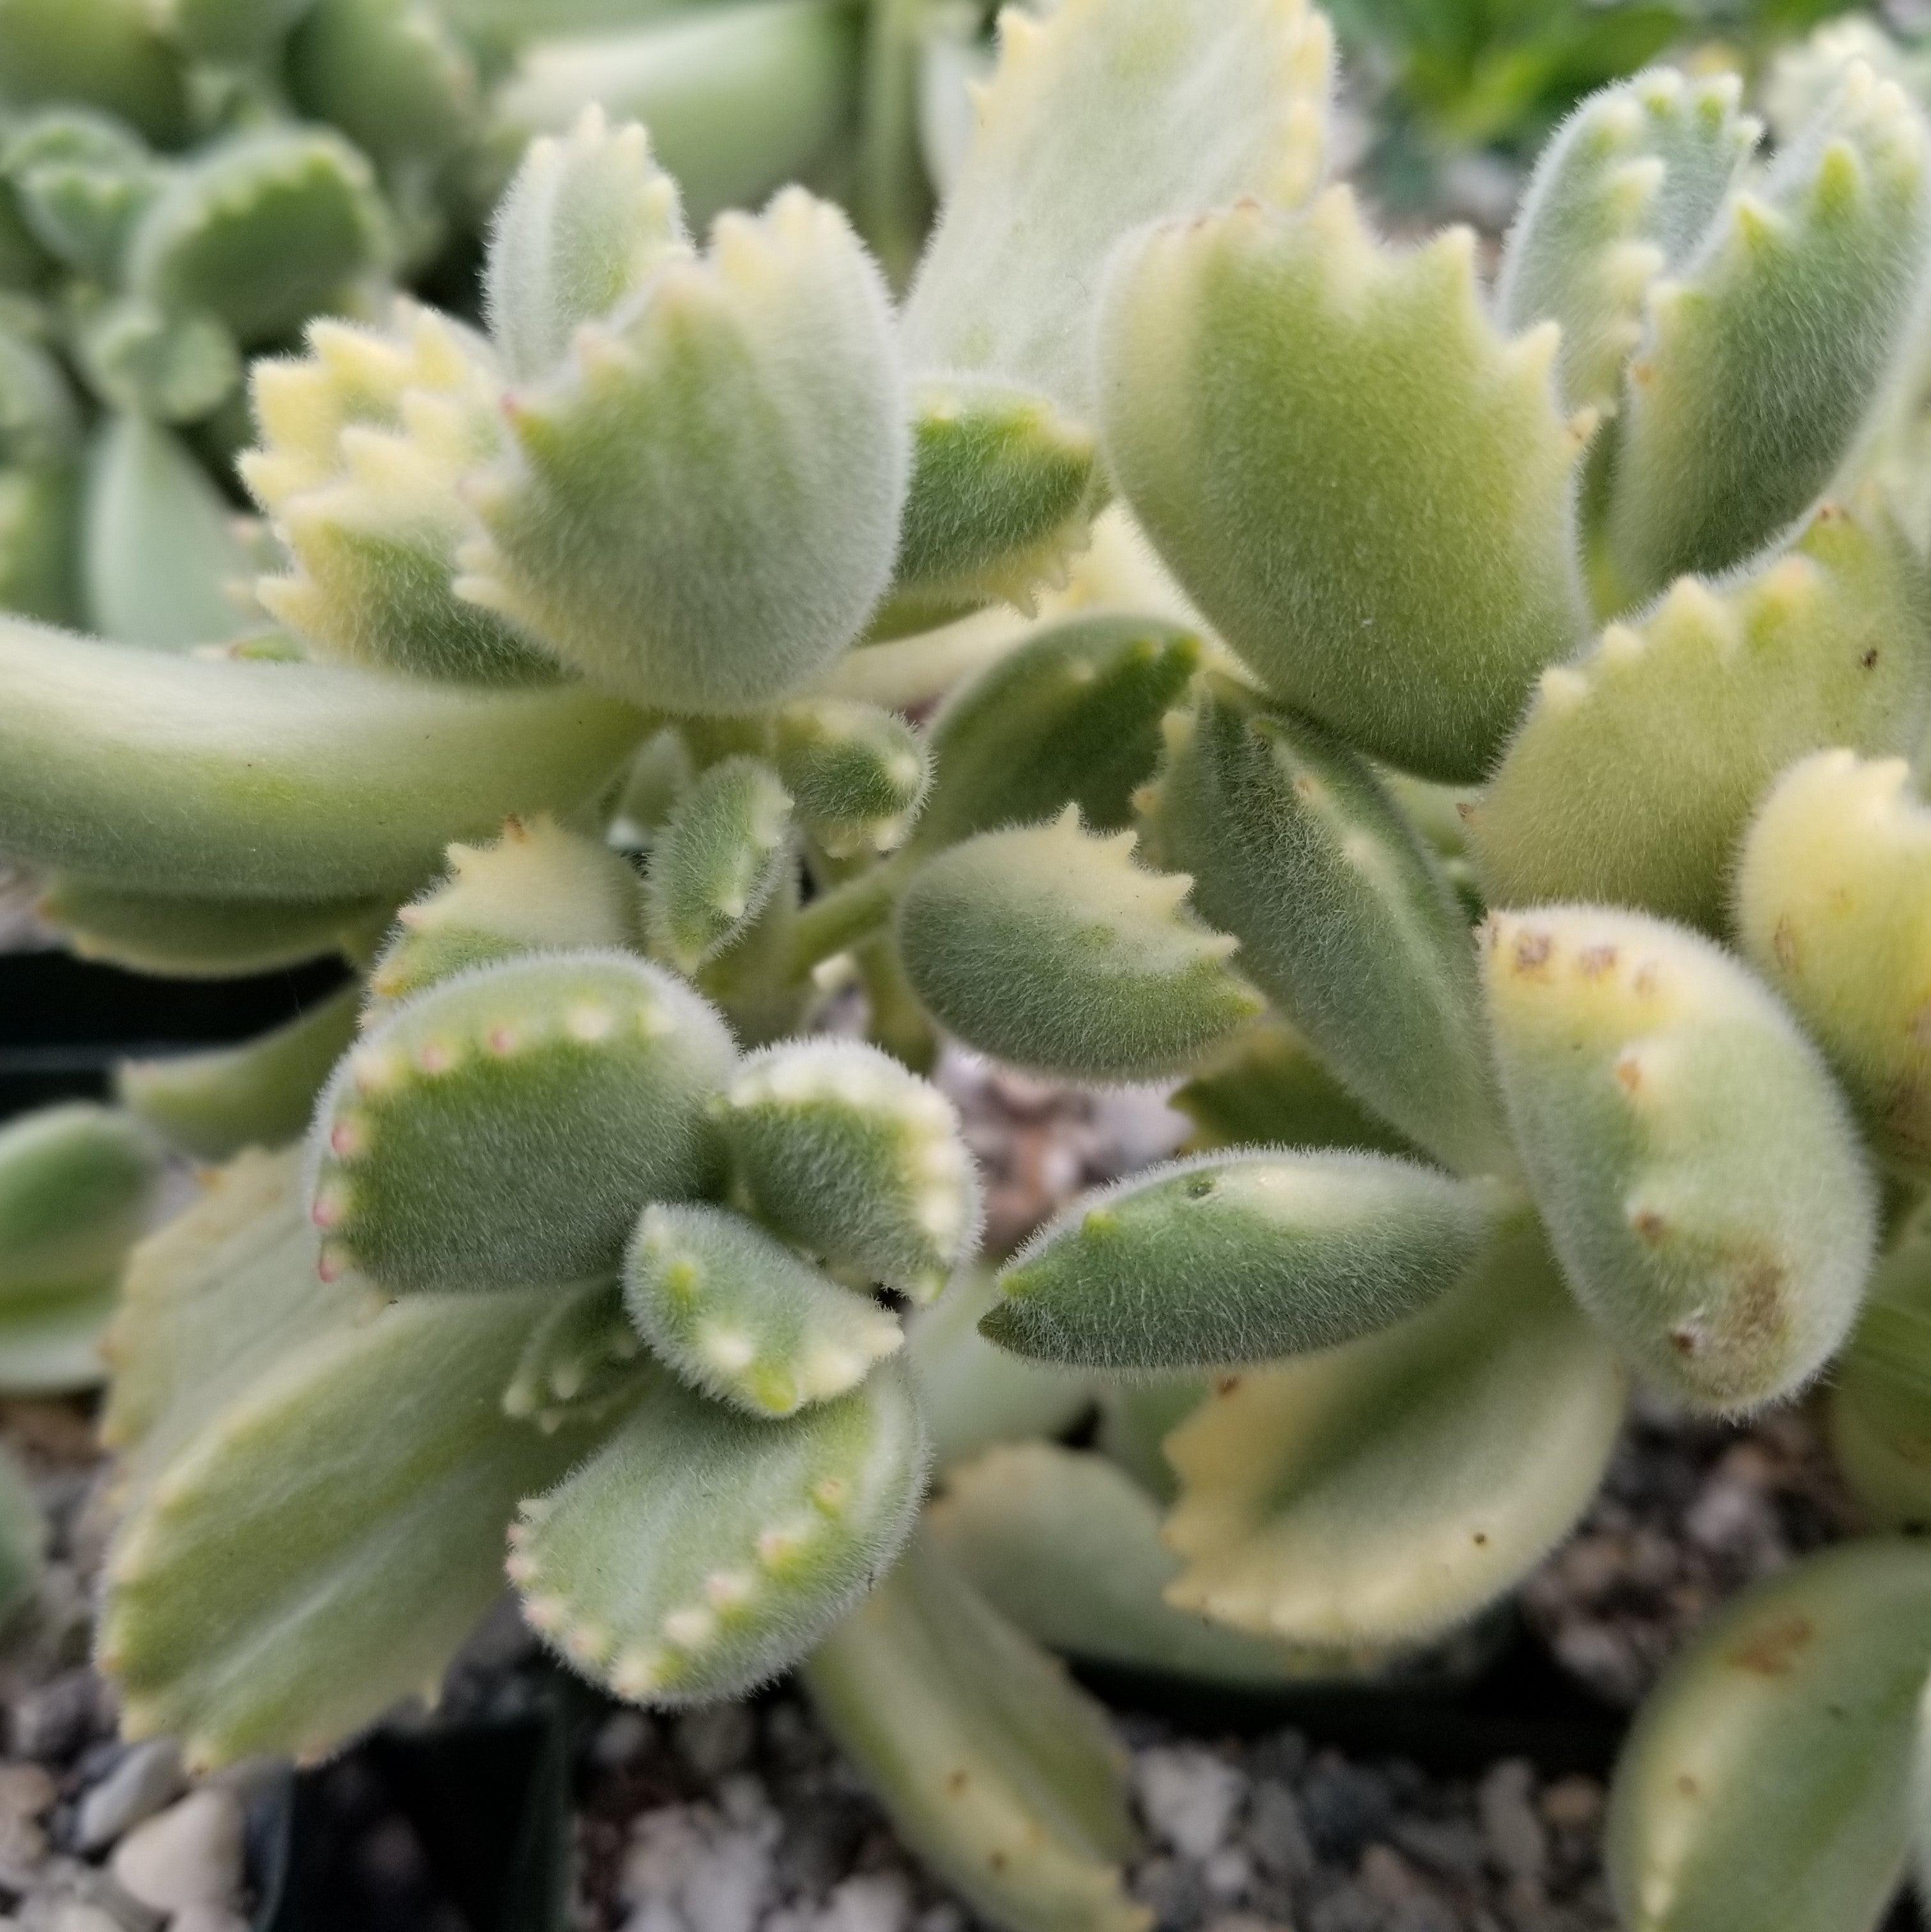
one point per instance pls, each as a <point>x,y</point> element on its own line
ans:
<point>537,889</point>
<point>719,858</point>
<point>273,781</point>
<point>701,504</point>
<point>1344,917</point>
<point>1380,1493</point>
<point>1765,1781</point>
<point>1071,717</point>
<point>1267,1087</point>
<point>1634,771</point>
<point>701,1551</point>
<point>581,1360</point>
<point>1625,191</point>
<point>1833,907</point>
<point>1366,489</point>
<point>741,1318</point>
<point>105,53</point>
<point>857,774</point>
<point>1880,1412</point>
<point>280,1586</point>
<point>1106,116</point>
<point>1223,1261</point>
<point>847,1153</point>
<point>589,219</point>
<point>76,1183</point>
<point>1763,359</point>
<point>507,1126</point>
<point>1049,948</point>
<point>1698,1170</point>
<point>996,1769</point>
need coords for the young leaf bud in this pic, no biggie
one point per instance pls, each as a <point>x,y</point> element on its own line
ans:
<point>857,774</point>
<point>717,861</point>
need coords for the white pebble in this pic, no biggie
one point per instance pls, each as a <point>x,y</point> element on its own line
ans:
<point>148,1776</point>
<point>869,1902</point>
<point>190,1854</point>
<point>1189,1796</point>
<point>207,1918</point>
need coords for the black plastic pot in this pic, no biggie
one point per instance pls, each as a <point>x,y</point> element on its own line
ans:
<point>64,1024</point>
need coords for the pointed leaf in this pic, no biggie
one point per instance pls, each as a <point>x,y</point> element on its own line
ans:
<point>1049,948</point>
<point>1366,488</point>
<point>1220,1262</point>
<point>1697,1167</point>
<point>741,1318</point>
<point>995,1768</point>
<point>701,1551</point>
<point>1381,1493</point>
<point>857,773</point>
<point>506,1127</point>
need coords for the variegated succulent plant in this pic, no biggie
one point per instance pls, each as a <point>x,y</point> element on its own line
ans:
<point>1460,728</point>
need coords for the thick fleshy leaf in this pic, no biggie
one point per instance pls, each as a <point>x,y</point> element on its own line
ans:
<point>222,1293</point>
<point>701,1551</point>
<point>1071,717</point>
<point>261,1093</point>
<point>1697,1167</point>
<point>364,443</point>
<point>741,1318</point>
<point>195,938</point>
<point>262,230</point>
<point>717,860</point>
<point>1767,1780</point>
<point>851,1155</point>
<point>1833,907</point>
<point>39,543</point>
<point>162,562</point>
<point>1003,491</point>
<point>1625,191</point>
<point>1227,1260</point>
<point>996,1769</point>
<point>700,504</point>
<point>582,1360</point>
<point>106,53</point>
<point>1049,948</point>
<point>1106,116</point>
<point>1068,1546</point>
<point>589,218</point>
<point>75,1183</point>
<point>738,99</point>
<point>1880,1398</point>
<point>537,889</point>
<point>1383,1492</point>
<point>1366,488</point>
<point>1762,360</point>
<point>506,1127</point>
<point>280,1586</point>
<point>857,773</point>
<point>1635,770</point>
<point>273,781</point>
<point>1344,917</point>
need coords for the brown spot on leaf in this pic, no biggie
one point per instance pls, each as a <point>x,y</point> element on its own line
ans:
<point>1532,951</point>
<point>1225,1385</point>
<point>1783,944</point>
<point>956,1782</point>
<point>1629,1071</point>
<point>1773,1651</point>
<point>1481,1539</point>
<point>1595,961</point>
<point>1684,1341</point>
<point>1869,659</point>
<point>1649,1225</point>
